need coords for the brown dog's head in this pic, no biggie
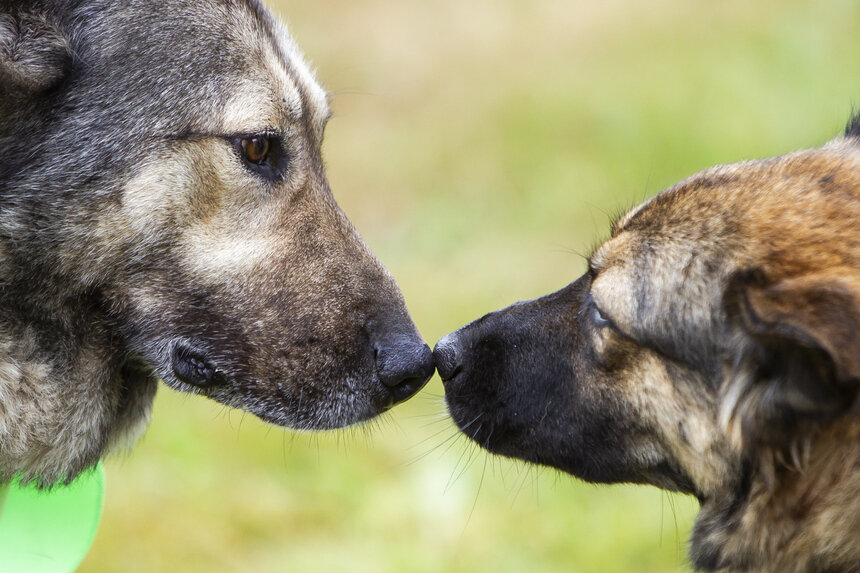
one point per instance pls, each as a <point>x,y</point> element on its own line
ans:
<point>715,331</point>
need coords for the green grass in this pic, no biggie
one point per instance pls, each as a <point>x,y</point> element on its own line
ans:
<point>478,146</point>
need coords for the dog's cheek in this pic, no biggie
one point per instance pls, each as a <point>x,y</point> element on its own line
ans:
<point>138,230</point>
<point>680,409</point>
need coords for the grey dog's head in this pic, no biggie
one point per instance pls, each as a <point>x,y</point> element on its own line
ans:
<point>162,160</point>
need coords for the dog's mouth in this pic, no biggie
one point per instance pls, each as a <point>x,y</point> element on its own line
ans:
<point>327,398</point>
<point>192,366</point>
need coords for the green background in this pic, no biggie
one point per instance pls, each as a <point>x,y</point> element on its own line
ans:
<point>479,146</point>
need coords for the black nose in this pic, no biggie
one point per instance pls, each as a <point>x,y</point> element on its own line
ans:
<point>448,356</point>
<point>404,366</point>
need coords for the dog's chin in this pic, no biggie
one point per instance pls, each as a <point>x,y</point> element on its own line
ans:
<point>306,404</point>
<point>348,402</point>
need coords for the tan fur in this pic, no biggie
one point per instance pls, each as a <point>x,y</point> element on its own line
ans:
<point>712,348</point>
<point>795,218</point>
<point>808,520</point>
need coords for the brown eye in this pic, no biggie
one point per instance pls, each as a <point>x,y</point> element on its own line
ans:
<point>263,154</point>
<point>255,149</point>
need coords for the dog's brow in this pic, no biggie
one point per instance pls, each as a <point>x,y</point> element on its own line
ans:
<point>595,263</point>
<point>191,135</point>
<point>624,218</point>
<point>616,219</point>
<point>292,106</point>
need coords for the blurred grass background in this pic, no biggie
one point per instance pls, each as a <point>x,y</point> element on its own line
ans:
<point>479,145</point>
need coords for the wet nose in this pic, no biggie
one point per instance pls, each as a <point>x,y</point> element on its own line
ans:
<point>448,356</point>
<point>404,366</point>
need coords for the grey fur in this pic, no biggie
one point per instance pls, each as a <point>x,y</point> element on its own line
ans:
<point>129,225</point>
<point>34,54</point>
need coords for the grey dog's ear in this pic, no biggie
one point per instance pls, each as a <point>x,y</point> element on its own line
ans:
<point>34,53</point>
<point>796,356</point>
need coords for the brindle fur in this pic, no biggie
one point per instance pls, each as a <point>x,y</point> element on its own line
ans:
<point>711,348</point>
<point>133,238</point>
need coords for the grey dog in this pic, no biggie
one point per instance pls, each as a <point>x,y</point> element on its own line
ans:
<point>164,214</point>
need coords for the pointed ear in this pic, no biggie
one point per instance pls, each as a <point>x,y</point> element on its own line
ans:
<point>797,354</point>
<point>34,54</point>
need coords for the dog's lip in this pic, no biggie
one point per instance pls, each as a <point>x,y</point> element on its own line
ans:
<point>279,409</point>
<point>383,400</point>
<point>191,364</point>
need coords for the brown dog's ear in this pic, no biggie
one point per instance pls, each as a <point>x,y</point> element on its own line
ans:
<point>821,311</point>
<point>796,358</point>
<point>34,54</point>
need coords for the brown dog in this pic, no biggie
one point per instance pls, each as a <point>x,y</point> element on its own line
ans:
<point>712,348</point>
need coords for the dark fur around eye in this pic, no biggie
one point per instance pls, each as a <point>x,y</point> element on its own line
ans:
<point>272,166</point>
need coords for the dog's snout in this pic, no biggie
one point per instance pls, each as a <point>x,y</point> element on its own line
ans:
<point>404,365</point>
<point>448,355</point>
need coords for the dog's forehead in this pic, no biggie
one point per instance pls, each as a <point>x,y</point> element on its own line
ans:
<point>667,259</point>
<point>702,194</point>
<point>612,252</point>
<point>186,67</point>
<point>658,249</point>
<point>282,88</point>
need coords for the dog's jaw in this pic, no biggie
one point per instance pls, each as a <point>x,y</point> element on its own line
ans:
<point>64,407</point>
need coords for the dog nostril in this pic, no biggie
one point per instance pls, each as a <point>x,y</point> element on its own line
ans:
<point>407,388</point>
<point>447,357</point>
<point>405,367</point>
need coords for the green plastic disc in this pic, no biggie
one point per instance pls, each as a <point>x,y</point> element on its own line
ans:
<point>49,531</point>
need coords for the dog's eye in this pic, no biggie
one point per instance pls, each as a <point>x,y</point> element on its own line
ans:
<point>263,154</point>
<point>255,149</point>
<point>600,319</point>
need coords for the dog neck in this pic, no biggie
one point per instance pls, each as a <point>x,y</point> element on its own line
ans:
<point>797,517</point>
<point>68,390</point>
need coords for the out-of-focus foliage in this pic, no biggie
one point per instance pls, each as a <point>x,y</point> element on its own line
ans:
<point>479,146</point>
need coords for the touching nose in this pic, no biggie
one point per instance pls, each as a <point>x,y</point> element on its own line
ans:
<point>448,356</point>
<point>404,366</point>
